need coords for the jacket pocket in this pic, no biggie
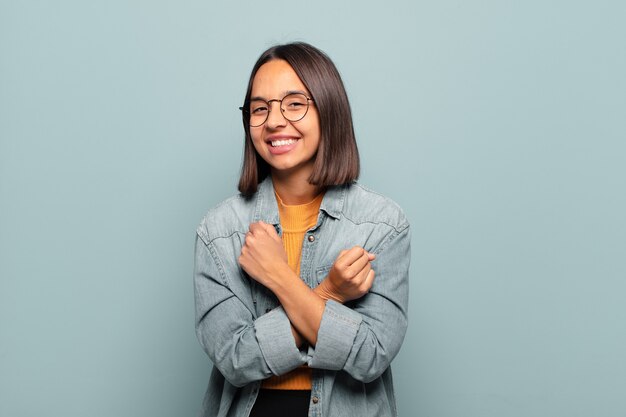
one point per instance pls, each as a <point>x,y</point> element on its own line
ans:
<point>322,272</point>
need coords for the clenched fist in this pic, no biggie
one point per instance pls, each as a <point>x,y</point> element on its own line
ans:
<point>350,277</point>
<point>263,256</point>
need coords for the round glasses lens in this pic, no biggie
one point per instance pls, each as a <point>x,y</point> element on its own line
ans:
<point>259,110</point>
<point>294,106</point>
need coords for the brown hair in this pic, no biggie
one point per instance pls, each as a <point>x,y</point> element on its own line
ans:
<point>337,159</point>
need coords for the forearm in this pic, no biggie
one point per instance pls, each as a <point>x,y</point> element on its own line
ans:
<point>325,294</point>
<point>243,348</point>
<point>264,259</point>
<point>364,338</point>
<point>297,337</point>
<point>303,306</point>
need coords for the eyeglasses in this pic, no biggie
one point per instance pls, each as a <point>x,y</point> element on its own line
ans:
<point>293,107</point>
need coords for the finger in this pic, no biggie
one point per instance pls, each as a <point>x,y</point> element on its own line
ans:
<point>350,256</point>
<point>371,256</point>
<point>361,275</point>
<point>256,227</point>
<point>369,280</point>
<point>259,230</point>
<point>366,286</point>
<point>267,227</point>
<point>263,228</point>
<point>242,257</point>
<point>339,259</point>
<point>358,265</point>
<point>270,230</point>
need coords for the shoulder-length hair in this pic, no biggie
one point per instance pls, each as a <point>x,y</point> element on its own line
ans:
<point>337,159</point>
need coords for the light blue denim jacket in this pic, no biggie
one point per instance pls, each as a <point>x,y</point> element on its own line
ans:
<point>247,334</point>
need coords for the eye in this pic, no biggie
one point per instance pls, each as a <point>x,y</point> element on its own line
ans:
<point>258,109</point>
<point>294,102</point>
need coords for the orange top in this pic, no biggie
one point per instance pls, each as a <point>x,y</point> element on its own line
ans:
<point>295,221</point>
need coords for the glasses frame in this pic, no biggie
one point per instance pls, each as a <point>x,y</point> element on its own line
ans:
<point>245,108</point>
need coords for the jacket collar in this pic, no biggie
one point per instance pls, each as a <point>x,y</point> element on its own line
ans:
<point>266,208</point>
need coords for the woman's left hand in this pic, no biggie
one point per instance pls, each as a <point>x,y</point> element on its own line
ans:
<point>263,256</point>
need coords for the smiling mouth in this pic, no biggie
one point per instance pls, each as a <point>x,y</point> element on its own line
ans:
<point>282,142</point>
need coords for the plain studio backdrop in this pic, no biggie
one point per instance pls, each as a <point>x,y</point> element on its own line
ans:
<point>498,126</point>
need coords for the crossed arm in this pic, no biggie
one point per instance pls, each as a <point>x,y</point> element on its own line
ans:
<point>264,259</point>
<point>360,340</point>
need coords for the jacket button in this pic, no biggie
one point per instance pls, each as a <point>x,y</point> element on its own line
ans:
<point>311,238</point>
<point>315,400</point>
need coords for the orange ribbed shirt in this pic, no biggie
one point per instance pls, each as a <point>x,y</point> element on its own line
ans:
<point>295,221</point>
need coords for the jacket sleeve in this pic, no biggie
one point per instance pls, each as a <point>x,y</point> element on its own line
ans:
<point>364,339</point>
<point>242,348</point>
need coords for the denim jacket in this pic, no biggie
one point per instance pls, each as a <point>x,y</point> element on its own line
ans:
<point>247,334</point>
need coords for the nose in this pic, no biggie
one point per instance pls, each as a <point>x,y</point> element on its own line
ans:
<point>275,117</point>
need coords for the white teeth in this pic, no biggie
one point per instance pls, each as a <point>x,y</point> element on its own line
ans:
<point>283,142</point>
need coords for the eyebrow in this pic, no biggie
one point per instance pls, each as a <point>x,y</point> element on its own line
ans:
<point>284,93</point>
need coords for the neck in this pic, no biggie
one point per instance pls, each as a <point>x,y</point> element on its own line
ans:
<point>293,190</point>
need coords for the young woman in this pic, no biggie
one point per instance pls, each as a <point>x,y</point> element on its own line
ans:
<point>301,280</point>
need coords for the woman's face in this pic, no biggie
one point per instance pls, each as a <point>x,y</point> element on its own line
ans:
<point>288,147</point>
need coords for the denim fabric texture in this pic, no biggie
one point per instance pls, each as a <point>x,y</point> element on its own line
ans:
<point>247,334</point>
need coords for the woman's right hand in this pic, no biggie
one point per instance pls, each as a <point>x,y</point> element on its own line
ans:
<point>350,277</point>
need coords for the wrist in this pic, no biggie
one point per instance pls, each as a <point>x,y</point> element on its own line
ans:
<point>325,293</point>
<point>281,278</point>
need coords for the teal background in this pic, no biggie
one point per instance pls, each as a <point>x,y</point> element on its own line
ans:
<point>498,126</point>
